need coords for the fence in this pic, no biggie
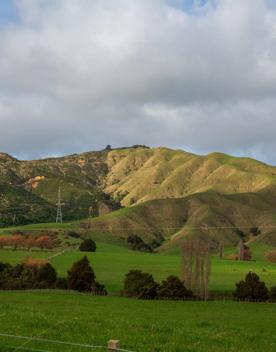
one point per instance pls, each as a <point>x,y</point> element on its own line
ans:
<point>112,345</point>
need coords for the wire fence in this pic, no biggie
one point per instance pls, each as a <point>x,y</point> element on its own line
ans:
<point>30,339</point>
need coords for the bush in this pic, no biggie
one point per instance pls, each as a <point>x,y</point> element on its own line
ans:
<point>251,289</point>
<point>73,234</point>
<point>88,245</point>
<point>272,294</point>
<point>47,274</point>
<point>173,288</point>
<point>137,244</point>
<point>271,256</point>
<point>139,285</point>
<point>61,283</point>
<point>98,289</point>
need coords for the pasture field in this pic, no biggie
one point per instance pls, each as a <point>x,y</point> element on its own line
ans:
<point>112,262</point>
<point>142,326</point>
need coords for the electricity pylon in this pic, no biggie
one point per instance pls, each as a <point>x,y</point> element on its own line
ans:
<point>59,205</point>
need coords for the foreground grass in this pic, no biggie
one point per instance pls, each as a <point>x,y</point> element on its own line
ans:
<point>144,326</point>
<point>111,263</point>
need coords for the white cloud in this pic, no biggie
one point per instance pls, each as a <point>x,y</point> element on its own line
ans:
<point>77,75</point>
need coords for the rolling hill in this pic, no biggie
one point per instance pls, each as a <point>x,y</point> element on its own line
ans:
<point>166,194</point>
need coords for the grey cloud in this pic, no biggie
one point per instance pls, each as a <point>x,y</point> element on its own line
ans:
<point>79,75</point>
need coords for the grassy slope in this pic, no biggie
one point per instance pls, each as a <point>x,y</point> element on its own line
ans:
<point>142,326</point>
<point>222,217</point>
<point>140,174</point>
<point>112,262</point>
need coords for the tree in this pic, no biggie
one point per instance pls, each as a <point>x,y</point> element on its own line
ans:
<point>271,256</point>
<point>139,285</point>
<point>221,250</point>
<point>88,245</point>
<point>244,252</point>
<point>81,276</point>
<point>251,289</point>
<point>272,294</point>
<point>136,243</point>
<point>173,288</point>
<point>255,231</point>
<point>46,273</point>
<point>196,266</point>
<point>44,242</point>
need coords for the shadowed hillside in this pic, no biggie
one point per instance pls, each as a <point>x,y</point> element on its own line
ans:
<point>225,218</point>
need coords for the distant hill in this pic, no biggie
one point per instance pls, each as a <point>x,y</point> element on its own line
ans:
<point>167,193</point>
<point>225,218</point>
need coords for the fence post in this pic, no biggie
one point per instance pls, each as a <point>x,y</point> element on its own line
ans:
<point>113,345</point>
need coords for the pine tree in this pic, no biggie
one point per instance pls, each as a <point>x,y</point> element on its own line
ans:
<point>81,276</point>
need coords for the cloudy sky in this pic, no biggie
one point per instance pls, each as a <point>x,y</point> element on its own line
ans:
<point>76,75</point>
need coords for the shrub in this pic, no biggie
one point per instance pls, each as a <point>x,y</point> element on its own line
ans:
<point>46,273</point>
<point>140,285</point>
<point>98,289</point>
<point>88,245</point>
<point>73,234</point>
<point>272,294</point>
<point>251,289</point>
<point>255,231</point>
<point>173,288</point>
<point>61,283</point>
<point>137,244</point>
<point>271,256</point>
<point>81,276</point>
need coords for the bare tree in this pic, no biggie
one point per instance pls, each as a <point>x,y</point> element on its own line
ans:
<point>196,266</point>
<point>221,250</point>
<point>241,250</point>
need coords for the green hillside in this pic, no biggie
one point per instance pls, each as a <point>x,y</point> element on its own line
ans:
<point>167,194</point>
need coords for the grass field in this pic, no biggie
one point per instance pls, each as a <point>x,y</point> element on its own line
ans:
<point>144,326</point>
<point>112,262</point>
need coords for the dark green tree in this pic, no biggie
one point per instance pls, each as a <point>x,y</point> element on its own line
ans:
<point>81,276</point>
<point>173,288</point>
<point>139,285</point>
<point>47,273</point>
<point>272,294</point>
<point>88,245</point>
<point>251,289</point>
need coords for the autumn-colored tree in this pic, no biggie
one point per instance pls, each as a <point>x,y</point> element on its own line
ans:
<point>16,241</point>
<point>30,242</point>
<point>34,263</point>
<point>44,242</point>
<point>271,256</point>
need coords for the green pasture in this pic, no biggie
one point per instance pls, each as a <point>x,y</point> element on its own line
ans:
<point>142,326</point>
<point>112,262</point>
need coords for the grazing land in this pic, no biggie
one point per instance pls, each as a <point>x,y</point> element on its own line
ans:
<point>163,326</point>
<point>112,262</point>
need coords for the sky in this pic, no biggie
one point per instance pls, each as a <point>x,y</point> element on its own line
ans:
<point>195,75</point>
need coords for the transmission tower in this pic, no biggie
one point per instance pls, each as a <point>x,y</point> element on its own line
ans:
<point>59,205</point>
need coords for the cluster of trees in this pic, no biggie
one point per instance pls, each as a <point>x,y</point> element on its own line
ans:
<point>35,273</point>
<point>253,289</point>
<point>142,286</point>
<point>32,273</point>
<point>26,242</point>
